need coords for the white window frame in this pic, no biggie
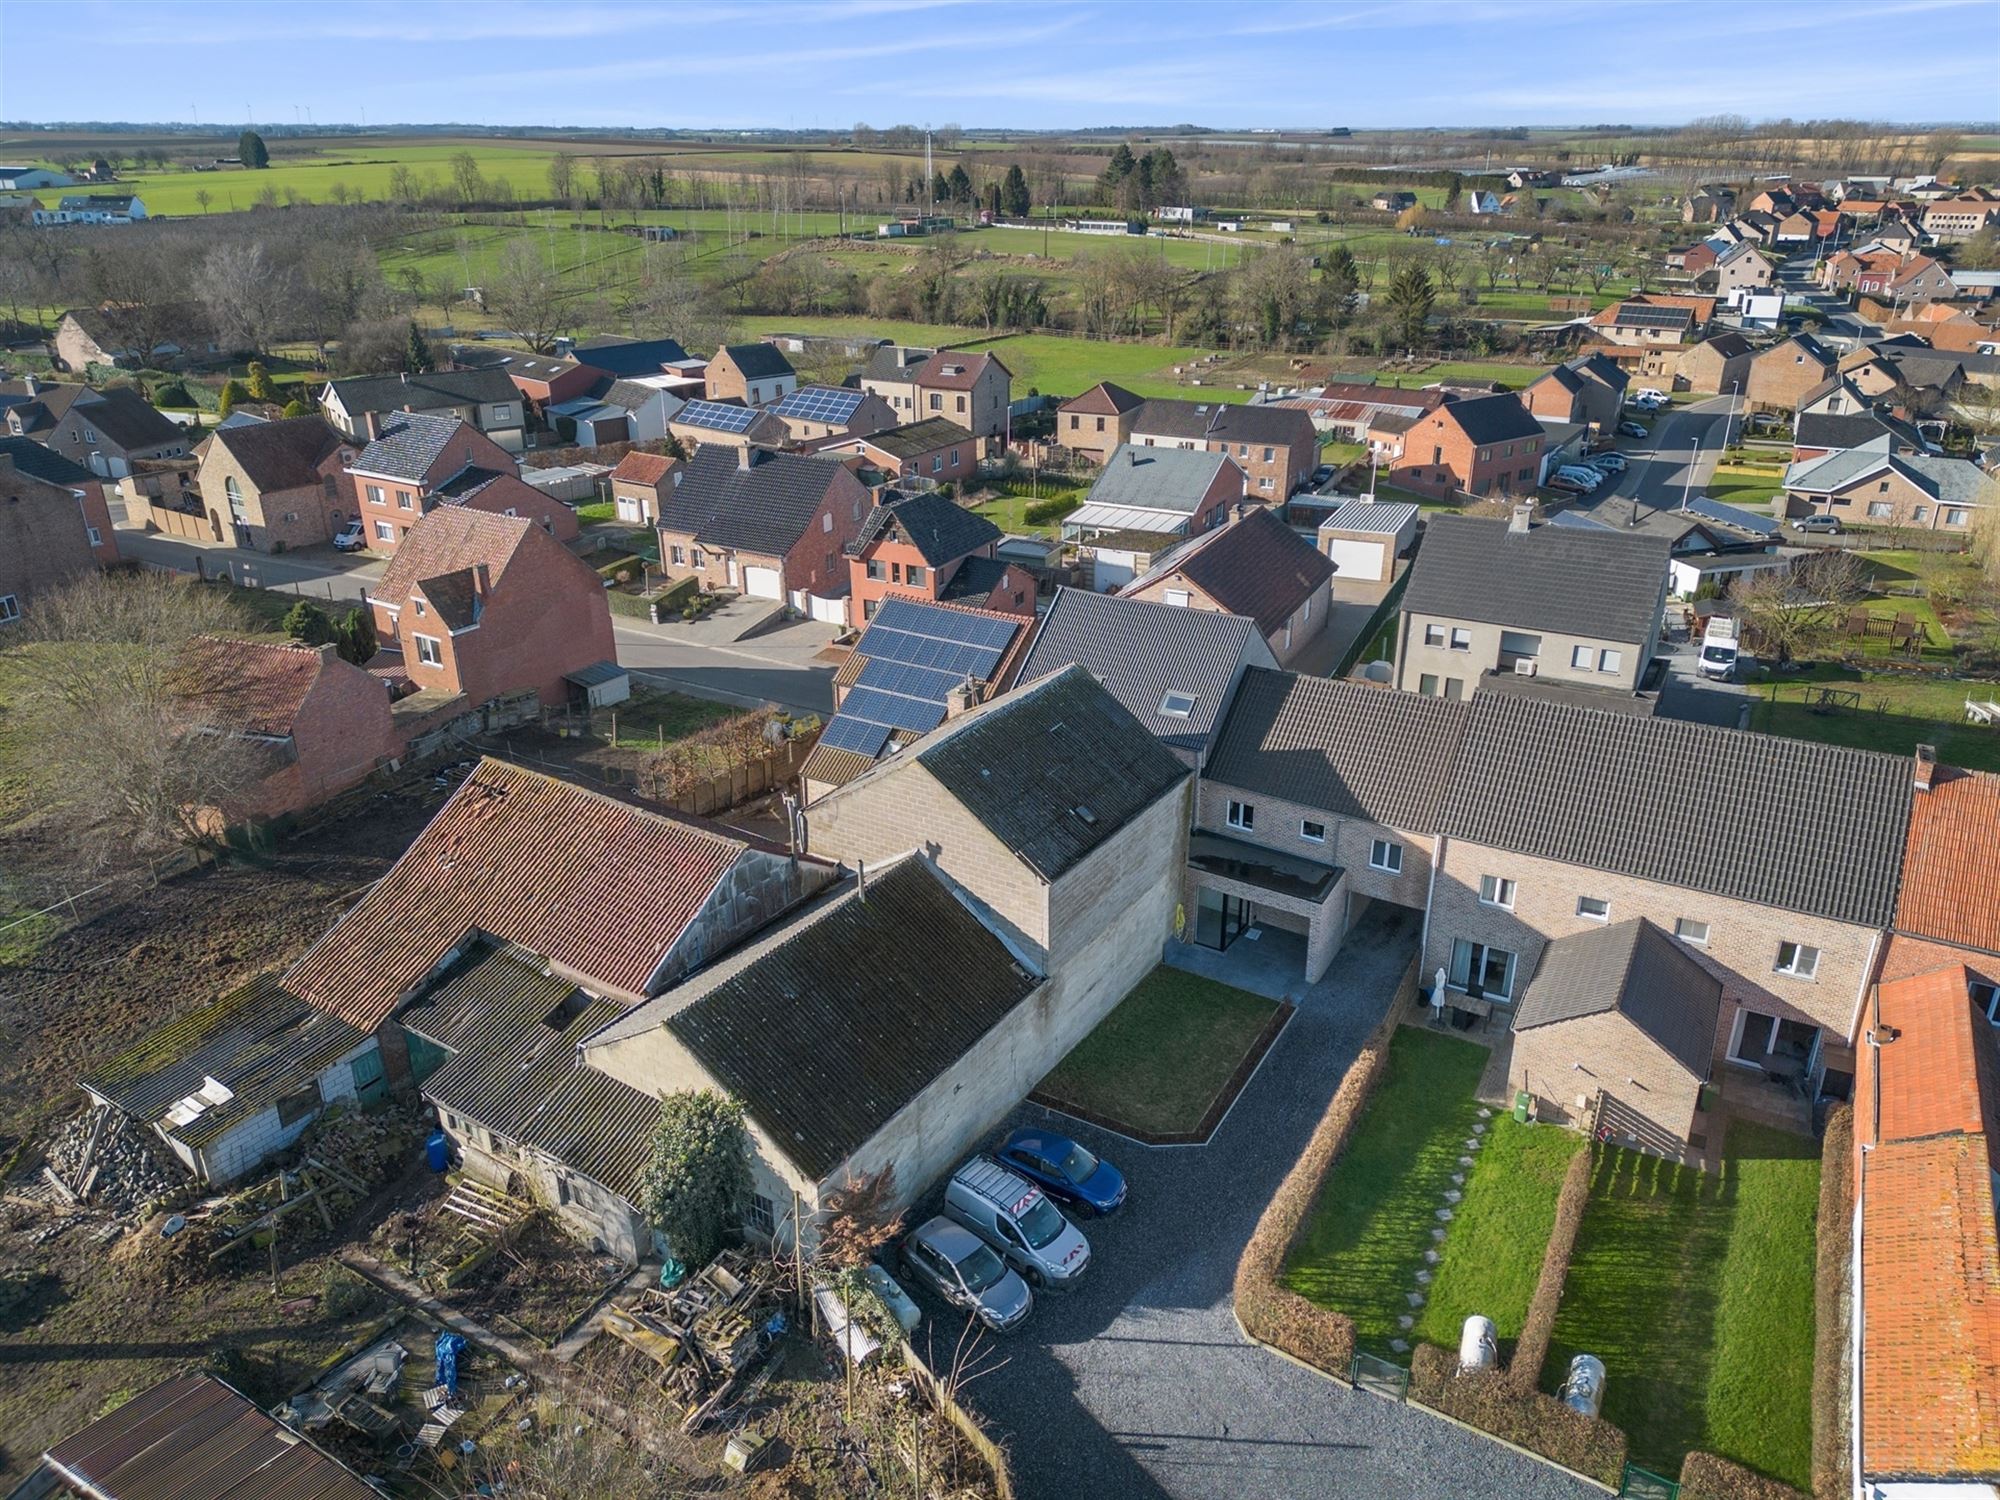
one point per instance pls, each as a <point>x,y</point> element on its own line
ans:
<point>430,649</point>
<point>1306,827</point>
<point>1580,658</point>
<point>1610,661</point>
<point>1435,635</point>
<point>1584,905</point>
<point>1684,930</point>
<point>1461,638</point>
<point>96,536</point>
<point>385,531</point>
<point>1386,855</point>
<point>10,609</point>
<point>1503,891</point>
<point>373,492</point>
<point>1179,598</point>
<point>1796,967</point>
<point>1242,815</point>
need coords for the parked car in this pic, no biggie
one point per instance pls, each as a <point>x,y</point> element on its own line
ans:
<point>1321,475</point>
<point>1610,463</point>
<point>1581,474</point>
<point>1649,395</point>
<point>1067,1171</point>
<point>350,538</point>
<point>962,1269</point>
<point>1571,485</point>
<point>1016,1218</point>
<point>1819,525</point>
<point>1632,429</point>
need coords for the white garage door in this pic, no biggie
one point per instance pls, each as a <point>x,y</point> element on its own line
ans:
<point>762,583</point>
<point>1356,559</point>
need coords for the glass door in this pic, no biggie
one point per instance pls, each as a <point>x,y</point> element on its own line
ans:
<point>1219,919</point>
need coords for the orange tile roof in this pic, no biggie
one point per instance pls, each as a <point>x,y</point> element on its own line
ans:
<point>451,538</point>
<point>601,887</point>
<point>644,468</point>
<point>1938,1076</point>
<point>1951,862</point>
<point>247,687</point>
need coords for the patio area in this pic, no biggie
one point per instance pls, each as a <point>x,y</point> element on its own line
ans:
<point>1264,960</point>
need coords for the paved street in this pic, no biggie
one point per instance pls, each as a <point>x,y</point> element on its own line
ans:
<point>1658,472</point>
<point>1141,1384</point>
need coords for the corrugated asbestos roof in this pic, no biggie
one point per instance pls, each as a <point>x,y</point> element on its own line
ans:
<point>1782,822</point>
<point>1355,750</point>
<point>193,1438</point>
<point>1604,585</point>
<point>600,886</point>
<point>1633,968</point>
<point>848,1013</point>
<point>514,1033</point>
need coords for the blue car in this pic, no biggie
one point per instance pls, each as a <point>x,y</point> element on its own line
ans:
<point>1063,1167</point>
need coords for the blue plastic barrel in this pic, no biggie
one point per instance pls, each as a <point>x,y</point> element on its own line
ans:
<point>438,1150</point>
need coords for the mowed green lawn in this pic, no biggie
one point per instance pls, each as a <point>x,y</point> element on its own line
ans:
<point>1696,1290</point>
<point>1493,1255</point>
<point>1165,1055</point>
<point>1897,714</point>
<point>1364,1242</point>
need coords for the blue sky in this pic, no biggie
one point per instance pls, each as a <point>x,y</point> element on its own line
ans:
<point>1228,63</point>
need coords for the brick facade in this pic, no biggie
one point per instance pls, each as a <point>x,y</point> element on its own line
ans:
<point>43,540</point>
<point>278,519</point>
<point>1440,459</point>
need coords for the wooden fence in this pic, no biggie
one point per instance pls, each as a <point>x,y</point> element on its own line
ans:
<point>969,1427</point>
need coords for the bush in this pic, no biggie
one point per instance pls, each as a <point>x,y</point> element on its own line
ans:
<point>1539,1326</point>
<point>174,394</point>
<point>343,1294</point>
<point>306,622</point>
<point>1269,1311</point>
<point>1044,511</point>
<point>698,1181</point>
<point>1706,1477</point>
<point>1531,1419</point>
<point>1831,1454</point>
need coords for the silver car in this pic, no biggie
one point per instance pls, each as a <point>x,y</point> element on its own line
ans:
<point>963,1269</point>
<point>1016,1218</point>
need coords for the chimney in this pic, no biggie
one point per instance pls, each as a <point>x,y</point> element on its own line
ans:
<point>1924,769</point>
<point>371,424</point>
<point>861,881</point>
<point>746,458</point>
<point>1517,524</point>
<point>961,699</point>
<point>482,582</point>
<point>1132,457</point>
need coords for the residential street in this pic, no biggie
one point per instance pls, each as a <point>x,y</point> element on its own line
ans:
<point>1658,475</point>
<point>1141,1384</point>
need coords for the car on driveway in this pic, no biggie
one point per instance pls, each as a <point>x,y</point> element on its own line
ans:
<point>1064,1169</point>
<point>1016,1218</point>
<point>1610,463</point>
<point>349,538</point>
<point>958,1266</point>
<point>1818,525</point>
<point>1632,429</point>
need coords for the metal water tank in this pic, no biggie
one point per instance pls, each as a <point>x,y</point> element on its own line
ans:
<point>1584,1389</point>
<point>1478,1349</point>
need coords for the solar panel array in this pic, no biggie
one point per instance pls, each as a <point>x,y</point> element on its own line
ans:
<point>718,416</point>
<point>1730,515</point>
<point>915,654</point>
<point>1651,317</point>
<point>820,403</point>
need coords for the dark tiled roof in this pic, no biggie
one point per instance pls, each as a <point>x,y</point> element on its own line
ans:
<point>1104,399</point>
<point>919,438</point>
<point>1753,817</point>
<point>1634,968</point>
<point>763,509</point>
<point>838,1020</point>
<point>1824,430</point>
<point>128,420</point>
<point>1257,566</point>
<point>1140,651</point>
<point>196,1439</point>
<point>410,443</point>
<point>622,356</point>
<point>938,527</point>
<point>442,388</point>
<point>38,461</point>
<point>895,362</point>
<point>759,361</point>
<point>281,455</point>
<point>1492,419</point>
<point>1053,770</point>
<point>518,1072</point>
<point>1355,750</point>
<point>454,596</point>
<point>1223,421</point>
<point>955,370</point>
<point>1604,585</point>
<point>974,580</point>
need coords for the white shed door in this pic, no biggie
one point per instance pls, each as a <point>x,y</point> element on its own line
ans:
<point>1356,559</point>
<point>762,583</point>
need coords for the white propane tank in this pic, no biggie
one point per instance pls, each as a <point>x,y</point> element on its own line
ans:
<point>1584,1390</point>
<point>1477,1347</point>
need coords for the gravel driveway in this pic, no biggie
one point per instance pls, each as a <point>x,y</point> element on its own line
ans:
<point>1140,1383</point>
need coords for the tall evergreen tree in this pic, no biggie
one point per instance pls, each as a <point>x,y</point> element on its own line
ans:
<point>251,150</point>
<point>1411,297</point>
<point>1121,166</point>
<point>417,352</point>
<point>1014,193</point>
<point>960,184</point>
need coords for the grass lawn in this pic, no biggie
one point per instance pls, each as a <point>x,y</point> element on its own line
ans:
<point>1493,1254</point>
<point>1750,486</point>
<point>1696,1291</point>
<point>1009,512</point>
<point>1364,1243</point>
<point>1159,1060</point>
<point>597,510</point>
<point>654,716</point>
<point>1897,714</point>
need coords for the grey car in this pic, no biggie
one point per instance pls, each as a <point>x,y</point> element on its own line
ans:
<point>953,1262</point>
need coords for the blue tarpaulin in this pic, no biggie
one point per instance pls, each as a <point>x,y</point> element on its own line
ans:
<point>449,1347</point>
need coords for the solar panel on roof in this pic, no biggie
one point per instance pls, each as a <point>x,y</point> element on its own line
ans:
<point>1730,515</point>
<point>861,736</point>
<point>918,715</point>
<point>719,416</point>
<point>911,681</point>
<point>821,403</point>
<point>1651,317</point>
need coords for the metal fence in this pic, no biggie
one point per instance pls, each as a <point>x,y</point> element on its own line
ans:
<point>1380,1376</point>
<point>1643,1484</point>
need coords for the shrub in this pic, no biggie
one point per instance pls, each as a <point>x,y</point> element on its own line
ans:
<point>1706,1477</point>
<point>1539,1326</point>
<point>1530,1419</point>
<point>698,1180</point>
<point>175,394</point>
<point>1044,511</point>
<point>307,622</point>
<point>1831,1454</point>
<point>1268,1310</point>
<point>233,392</point>
<point>343,1294</point>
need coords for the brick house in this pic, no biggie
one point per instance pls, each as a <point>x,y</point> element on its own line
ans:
<point>269,486</point>
<point>1253,565</point>
<point>326,721</point>
<point>891,373</point>
<point>1638,323</point>
<point>775,526</point>
<point>1878,484</point>
<point>1095,423</point>
<point>1487,446</point>
<point>973,390</point>
<point>1572,604</point>
<point>32,459</point>
<point>408,455</point>
<point>1963,217</point>
<point>1587,390</point>
<point>483,605</point>
<point>1740,266</point>
<point>1275,447</point>
<point>754,374</point>
<point>1715,366</point>
<point>928,547</point>
<point>1781,375</point>
<point>814,412</point>
<point>44,539</point>
<point>934,449</point>
<point>502,492</point>
<point>108,431</point>
<point>485,397</point>
<point>640,484</point>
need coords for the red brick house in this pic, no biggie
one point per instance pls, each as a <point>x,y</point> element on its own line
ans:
<point>504,493</point>
<point>31,458</point>
<point>483,604</point>
<point>1096,422</point>
<point>1276,447</point>
<point>44,540</point>
<point>774,525</point>
<point>1255,566</point>
<point>326,720</point>
<point>972,390</point>
<point>409,454</point>
<point>1488,446</point>
<point>640,484</point>
<point>934,449</point>
<point>1589,389</point>
<point>929,547</point>
<point>273,485</point>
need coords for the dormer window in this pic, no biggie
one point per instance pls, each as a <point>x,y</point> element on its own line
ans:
<point>1177,705</point>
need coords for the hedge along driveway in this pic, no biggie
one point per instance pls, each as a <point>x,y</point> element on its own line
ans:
<point>1696,1290</point>
<point>1493,1254</point>
<point>1364,1242</point>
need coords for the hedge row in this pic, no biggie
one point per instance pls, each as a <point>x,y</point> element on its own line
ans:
<point>1044,511</point>
<point>1268,1310</point>
<point>1524,1370</point>
<point>1831,1454</point>
<point>639,606</point>
<point>1532,1419</point>
<point>1706,1477</point>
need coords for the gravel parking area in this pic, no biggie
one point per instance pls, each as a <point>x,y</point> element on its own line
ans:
<point>1141,1384</point>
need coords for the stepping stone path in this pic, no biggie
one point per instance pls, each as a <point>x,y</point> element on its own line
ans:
<point>1452,1196</point>
<point>1401,1346</point>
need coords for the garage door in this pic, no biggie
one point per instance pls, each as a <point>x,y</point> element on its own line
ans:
<point>1356,559</point>
<point>762,583</point>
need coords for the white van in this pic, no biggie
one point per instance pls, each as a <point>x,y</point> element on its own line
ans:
<point>1016,1218</point>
